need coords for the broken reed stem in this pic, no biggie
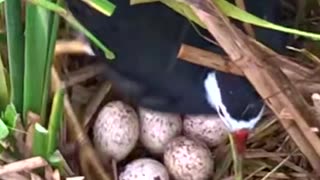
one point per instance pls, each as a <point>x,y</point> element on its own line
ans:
<point>208,59</point>
<point>73,47</point>
<point>216,61</point>
<point>266,77</point>
<point>23,165</point>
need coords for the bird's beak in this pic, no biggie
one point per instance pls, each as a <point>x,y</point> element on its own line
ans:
<point>240,138</point>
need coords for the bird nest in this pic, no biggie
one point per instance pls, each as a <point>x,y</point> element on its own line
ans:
<point>285,145</point>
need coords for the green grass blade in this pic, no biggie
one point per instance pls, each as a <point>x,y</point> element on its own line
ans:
<point>73,22</point>
<point>103,6</point>
<point>47,80</point>
<point>55,121</point>
<point>39,143</point>
<point>4,90</point>
<point>239,14</point>
<point>15,42</point>
<point>37,29</point>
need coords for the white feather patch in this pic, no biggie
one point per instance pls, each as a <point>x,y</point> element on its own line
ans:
<point>214,98</point>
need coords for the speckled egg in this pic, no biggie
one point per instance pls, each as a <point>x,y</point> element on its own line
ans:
<point>188,159</point>
<point>207,128</point>
<point>116,130</point>
<point>158,128</point>
<point>144,169</point>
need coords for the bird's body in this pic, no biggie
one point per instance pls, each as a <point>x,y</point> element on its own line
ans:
<point>146,39</point>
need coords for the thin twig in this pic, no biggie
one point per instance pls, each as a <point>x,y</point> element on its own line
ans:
<point>255,172</point>
<point>84,74</point>
<point>276,168</point>
<point>94,103</point>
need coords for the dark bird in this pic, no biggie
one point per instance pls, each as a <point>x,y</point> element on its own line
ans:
<point>146,39</point>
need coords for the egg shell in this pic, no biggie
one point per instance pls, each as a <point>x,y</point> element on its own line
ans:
<point>158,128</point>
<point>144,169</point>
<point>188,159</point>
<point>207,128</point>
<point>116,130</point>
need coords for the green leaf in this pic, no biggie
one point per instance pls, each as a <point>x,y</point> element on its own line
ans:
<point>10,116</point>
<point>103,6</point>
<point>4,131</point>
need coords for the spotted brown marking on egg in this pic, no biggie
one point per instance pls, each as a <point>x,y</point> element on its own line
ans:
<point>207,128</point>
<point>158,128</point>
<point>144,169</point>
<point>188,159</point>
<point>116,130</point>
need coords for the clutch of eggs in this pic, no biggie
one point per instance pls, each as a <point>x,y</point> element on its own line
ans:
<point>118,128</point>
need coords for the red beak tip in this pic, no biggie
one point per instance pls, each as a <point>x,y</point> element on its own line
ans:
<point>240,138</point>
